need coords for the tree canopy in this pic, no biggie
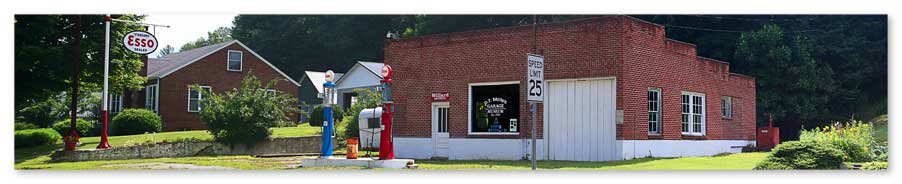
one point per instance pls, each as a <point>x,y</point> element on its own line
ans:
<point>45,55</point>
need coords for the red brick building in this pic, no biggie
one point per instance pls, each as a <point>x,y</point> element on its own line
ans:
<point>219,67</point>
<point>616,88</point>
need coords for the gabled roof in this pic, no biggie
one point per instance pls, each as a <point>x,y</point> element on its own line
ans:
<point>318,78</point>
<point>161,67</point>
<point>373,67</point>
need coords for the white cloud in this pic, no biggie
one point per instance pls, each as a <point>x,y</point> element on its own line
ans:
<point>185,27</point>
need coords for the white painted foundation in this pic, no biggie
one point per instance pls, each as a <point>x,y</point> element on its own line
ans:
<point>517,149</point>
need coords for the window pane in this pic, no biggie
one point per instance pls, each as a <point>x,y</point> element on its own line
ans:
<point>685,122</point>
<point>235,56</point>
<point>495,108</point>
<point>193,94</point>
<point>192,105</point>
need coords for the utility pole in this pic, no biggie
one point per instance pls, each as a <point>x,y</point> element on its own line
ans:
<point>532,105</point>
<point>72,137</point>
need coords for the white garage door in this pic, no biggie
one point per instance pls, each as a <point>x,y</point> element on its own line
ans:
<point>580,120</point>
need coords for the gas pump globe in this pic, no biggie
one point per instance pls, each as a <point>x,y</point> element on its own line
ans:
<point>328,101</point>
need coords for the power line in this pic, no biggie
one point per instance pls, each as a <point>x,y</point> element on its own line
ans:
<point>734,31</point>
<point>754,19</point>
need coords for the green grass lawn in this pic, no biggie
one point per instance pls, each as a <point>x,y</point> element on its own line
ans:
<point>26,154</point>
<point>740,161</point>
<point>881,128</point>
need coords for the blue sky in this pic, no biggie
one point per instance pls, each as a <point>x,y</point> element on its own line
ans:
<point>185,27</point>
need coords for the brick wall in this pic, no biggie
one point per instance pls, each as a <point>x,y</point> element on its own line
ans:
<point>633,51</point>
<point>211,71</point>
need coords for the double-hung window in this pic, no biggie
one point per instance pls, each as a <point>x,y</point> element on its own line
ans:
<point>196,98</point>
<point>693,113</point>
<point>235,60</point>
<point>115,103</point>
<point>150,97</point>
<point>654,111</point>
<point>726,107</point>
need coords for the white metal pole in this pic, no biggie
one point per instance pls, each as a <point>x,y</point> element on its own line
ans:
<point>104,143</point>
<point>106,67</point>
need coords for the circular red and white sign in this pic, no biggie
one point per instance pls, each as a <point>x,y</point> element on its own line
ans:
<point>140,42</point>
<point>386,71</point>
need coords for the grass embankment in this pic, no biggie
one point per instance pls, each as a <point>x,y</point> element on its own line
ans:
<point>40,154</point>
<point>881,128</point>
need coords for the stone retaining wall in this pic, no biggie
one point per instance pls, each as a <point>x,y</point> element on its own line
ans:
<point>285,145</point>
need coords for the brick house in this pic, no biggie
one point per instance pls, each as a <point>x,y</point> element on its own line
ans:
<point>616,88</point>
<point>218,67</point>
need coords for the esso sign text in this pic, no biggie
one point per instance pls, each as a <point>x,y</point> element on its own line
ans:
<point>140,42</point>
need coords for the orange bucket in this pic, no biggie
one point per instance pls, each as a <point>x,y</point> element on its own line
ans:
<point>352,148</point>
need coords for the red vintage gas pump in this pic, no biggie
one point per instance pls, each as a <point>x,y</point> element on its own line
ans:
<point>769,136</point>
<point>386,145</point>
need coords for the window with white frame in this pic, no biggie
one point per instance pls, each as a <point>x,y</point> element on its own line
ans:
<point>196,98</point>
<point>235,60</point>
<point>150,97</point>
<point>115,103</point>
<point>494,108</point>
<point>654,111</point>
<point>726,107</point>
<point>693,113</point>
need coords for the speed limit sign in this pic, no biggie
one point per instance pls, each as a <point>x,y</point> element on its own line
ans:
<point>535,76</point>
<point>140,42</point>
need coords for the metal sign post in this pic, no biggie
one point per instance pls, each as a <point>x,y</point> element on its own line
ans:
<point>535,78</point>
<point>138,42</point>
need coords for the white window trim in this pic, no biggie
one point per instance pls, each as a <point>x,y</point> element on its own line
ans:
<point>240,60</point>
<point>470,107</point>
<point>156,97</point>
<point>200,96</point>
<point>704,114</point>
<point>726,108</point>
<point>660,114</point>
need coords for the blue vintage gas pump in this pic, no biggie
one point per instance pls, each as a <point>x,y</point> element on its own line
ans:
<point>328,101</point>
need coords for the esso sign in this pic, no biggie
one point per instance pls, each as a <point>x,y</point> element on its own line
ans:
<point>140,42</point>
<point>386,72</point>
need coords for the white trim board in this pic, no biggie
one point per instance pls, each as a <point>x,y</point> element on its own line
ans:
<point>246,48</point>
<point>680,148</point>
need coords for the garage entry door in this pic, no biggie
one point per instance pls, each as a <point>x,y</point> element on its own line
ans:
<point>580,120</point>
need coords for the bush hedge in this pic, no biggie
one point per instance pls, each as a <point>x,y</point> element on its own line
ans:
<point>135,121</point>
<point>36,137</point>
<point>317,115</point>
<point>854,138</point>
<point>802,155</point>
<point>875,166</point>
<point>244,115</point>
<point>25,126</point>
<point>84,127</point>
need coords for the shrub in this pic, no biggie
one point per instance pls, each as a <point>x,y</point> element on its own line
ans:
<point>84,127</point>
<point>367,98</point>
<point>25,126</point>
<point>802,155</point>
<point>135,121</point>
<point>874,166</point>
<point>854,138</point>
<point>36,137</point>
<point>244,115</point>
<point>317,116</point>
